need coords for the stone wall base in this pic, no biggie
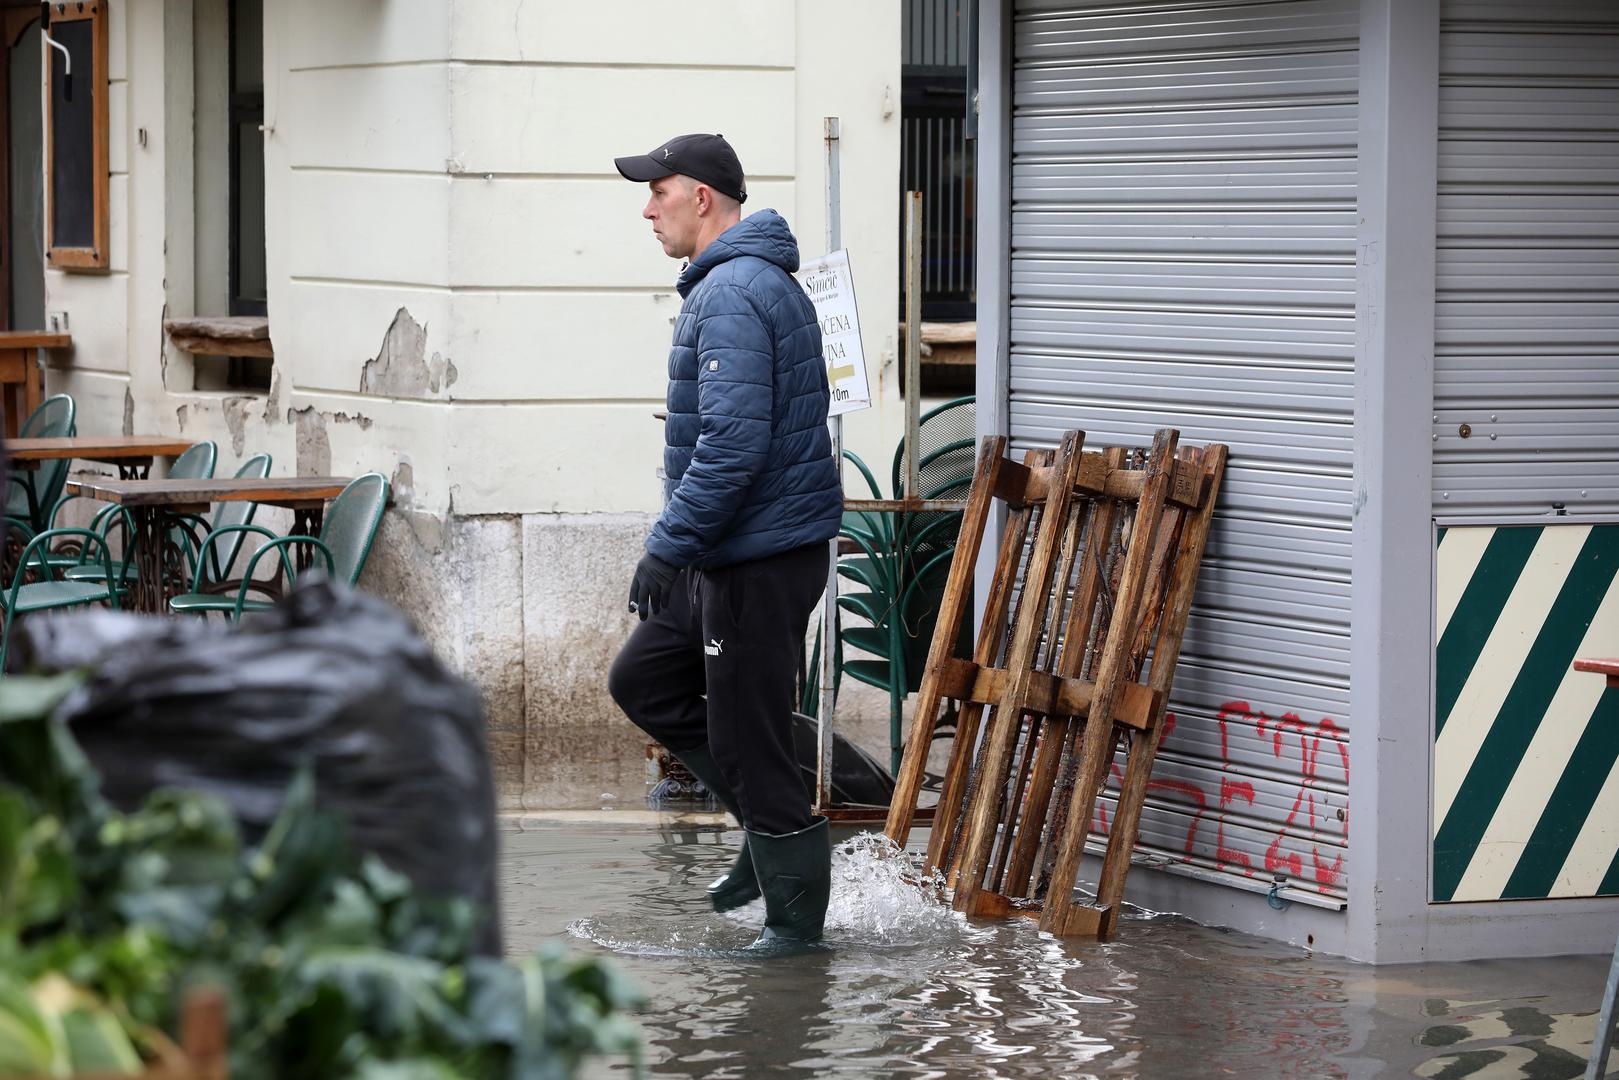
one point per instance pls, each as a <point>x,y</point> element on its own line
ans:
<point>532,609</point>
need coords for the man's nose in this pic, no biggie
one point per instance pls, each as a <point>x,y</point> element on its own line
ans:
<point>646,211</point>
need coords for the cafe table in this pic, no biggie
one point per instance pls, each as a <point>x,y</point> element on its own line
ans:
<point>157,506</point>
<point>132,454</point>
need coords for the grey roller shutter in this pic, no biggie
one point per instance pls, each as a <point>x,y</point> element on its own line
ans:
<point>1526,330</point>
<point>1183,254</point>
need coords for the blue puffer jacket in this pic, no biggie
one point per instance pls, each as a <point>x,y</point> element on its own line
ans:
<point>748,458</point>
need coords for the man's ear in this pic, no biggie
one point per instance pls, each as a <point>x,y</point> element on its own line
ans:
<point>705,199</point>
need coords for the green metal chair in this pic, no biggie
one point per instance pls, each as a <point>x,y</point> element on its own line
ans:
<point>227,514</point>
<point>344,544</point>
<point>46,592</point>
<point>197,463</point>
<point>900,568</point>
<point>31,495</point>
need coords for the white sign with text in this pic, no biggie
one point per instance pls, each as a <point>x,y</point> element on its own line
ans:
<point>830,286</point>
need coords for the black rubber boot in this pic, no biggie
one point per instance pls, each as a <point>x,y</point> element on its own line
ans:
<point>740,885</point>
<point>795,873</point>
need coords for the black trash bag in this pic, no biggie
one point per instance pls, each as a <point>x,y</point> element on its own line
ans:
<point>856,776</point>
<point>331,677</point>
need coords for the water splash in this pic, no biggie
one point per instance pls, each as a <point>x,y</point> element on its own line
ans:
<point>880,898</point>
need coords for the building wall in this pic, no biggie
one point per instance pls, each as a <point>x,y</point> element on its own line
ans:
<point>464,297</point>
<point>1399,344</point>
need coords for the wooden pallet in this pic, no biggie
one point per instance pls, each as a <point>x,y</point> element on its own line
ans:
<point>1109,551</point>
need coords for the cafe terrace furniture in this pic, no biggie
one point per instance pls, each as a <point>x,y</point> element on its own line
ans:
<point>22,386</point>
<point>31,491</point>
<point>154,505</point>
<point>46,592</point>
<point>342,547</point>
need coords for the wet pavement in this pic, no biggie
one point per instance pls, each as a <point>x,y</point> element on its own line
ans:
<point>907,988</point>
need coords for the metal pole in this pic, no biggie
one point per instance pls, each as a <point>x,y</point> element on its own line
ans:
<point>913,419</point>
<point>1602,1044</point>
<point>827,704</point>
<point>913,335</point>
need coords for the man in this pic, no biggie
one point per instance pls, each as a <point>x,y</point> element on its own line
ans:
<point>737,560</point>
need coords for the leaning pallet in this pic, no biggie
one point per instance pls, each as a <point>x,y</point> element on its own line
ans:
<point>1093,584</point>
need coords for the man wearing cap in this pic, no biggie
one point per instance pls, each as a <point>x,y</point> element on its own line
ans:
<point>734,565</point>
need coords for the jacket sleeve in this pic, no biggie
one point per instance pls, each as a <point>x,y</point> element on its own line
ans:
<point>735,376</point>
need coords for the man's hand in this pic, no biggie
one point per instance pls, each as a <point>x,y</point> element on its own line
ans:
<point>649,589</point>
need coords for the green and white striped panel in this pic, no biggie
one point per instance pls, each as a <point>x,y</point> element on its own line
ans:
<point>1525,787</point>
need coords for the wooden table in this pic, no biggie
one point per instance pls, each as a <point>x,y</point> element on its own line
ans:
<point>152,504</point>
<point>22,385</point>
<point>132,454</point>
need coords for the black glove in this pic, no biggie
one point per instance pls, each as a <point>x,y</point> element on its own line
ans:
<point>649,589</point>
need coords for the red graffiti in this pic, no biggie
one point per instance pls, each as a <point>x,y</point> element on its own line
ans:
<point>1297,746</point>
<point>1303,820</point>
<point>1230,790</point>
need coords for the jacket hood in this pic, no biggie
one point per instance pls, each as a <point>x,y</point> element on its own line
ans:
<point>763,234</point>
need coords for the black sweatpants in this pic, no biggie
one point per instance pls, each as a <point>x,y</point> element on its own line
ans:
<point>718,666</point>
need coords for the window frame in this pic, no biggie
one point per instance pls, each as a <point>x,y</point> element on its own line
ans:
<point>99,255</point>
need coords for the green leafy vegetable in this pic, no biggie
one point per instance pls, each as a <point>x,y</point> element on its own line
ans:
<point>332,965</point>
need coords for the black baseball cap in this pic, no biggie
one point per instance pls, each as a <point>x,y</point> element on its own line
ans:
<point>708,158</point>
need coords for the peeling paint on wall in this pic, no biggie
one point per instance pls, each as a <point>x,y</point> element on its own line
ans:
<point>314,450</point>
<point>236,410</point>
<point>403,484</point>
<point>364,422</point>
<point>129,412</point>
<point>314,446</point>
<point>402,367</point>
<point>181,415</point>
<point>271,413</point>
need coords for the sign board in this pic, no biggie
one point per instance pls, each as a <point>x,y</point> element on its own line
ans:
<point>830,286</point>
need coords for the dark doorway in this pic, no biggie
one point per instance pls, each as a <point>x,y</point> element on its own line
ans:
<point>22,174</point>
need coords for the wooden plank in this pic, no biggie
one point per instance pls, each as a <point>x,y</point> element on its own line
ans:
<point>1159,575</point>
<point>221,327</point>
<point>222,335</point>
<point>952,609</point>
<point>993,905</point>
<point>1049,694</point>
<point>1099,738</point>
<point>1015,819</point>
<point>204,346</point>
<point>1079,920</point>
<point>914,506</point>
<point>1186,485</point>
<point>992,627</point>
<point>34,339</point>
<point>1038,487</point>
<point>1002,732</point>
<point>863,814</point>
<point>1143,748</point>
<point>1081,614</point>
<point>278,491</point>
<point>1012,486</point>
<point>97,448</point>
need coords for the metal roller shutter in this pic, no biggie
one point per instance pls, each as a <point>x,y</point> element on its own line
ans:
<point>1527,314</point>
<point>1526,445</point>
<point>1183,254</point>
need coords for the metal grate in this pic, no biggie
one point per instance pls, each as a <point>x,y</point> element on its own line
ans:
<point>936,153</point>
<point>936,33</point>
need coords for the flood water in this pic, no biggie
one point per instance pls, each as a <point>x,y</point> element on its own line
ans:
<point>907,988</point>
